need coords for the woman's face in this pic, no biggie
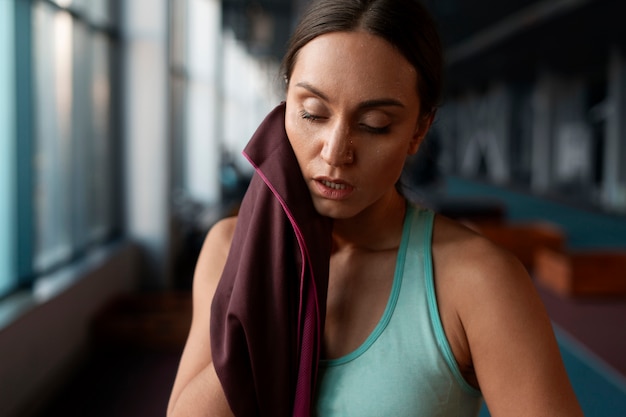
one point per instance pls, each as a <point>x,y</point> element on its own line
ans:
<point>352,117</point>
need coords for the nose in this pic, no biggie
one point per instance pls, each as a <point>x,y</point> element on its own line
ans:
<point>338,147</point>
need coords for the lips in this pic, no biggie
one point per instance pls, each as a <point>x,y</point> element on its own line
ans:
<point>333,189</point>
<point>334,185</point>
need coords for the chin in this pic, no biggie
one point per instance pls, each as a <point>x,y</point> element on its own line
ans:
<point>335,210</point>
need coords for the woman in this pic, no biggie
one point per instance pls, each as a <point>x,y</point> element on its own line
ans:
<point>422,316</point>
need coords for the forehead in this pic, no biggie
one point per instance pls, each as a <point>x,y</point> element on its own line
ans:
<point>357,63</point>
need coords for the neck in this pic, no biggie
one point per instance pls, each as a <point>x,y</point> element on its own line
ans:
<point>377,228</point>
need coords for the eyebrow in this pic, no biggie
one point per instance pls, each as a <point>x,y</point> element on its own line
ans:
<point>383,102</point>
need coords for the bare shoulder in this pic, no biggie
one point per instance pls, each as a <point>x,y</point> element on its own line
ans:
<point>220,236</point>
<point>209,267</point>
<point>477,280</point>
<point>472,260</point>
<point>214,251</point>
<point>482,283</point>
<point>497,325</point>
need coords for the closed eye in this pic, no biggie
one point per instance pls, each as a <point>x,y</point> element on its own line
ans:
<point>367,128</point>
<point>376,130</point>
<point>308,116</point>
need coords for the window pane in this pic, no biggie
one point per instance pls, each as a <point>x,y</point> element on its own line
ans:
<point>100,179</point>
<point>53,98</point>
<point>7,146</point>
<point>81,138</point>
<point>202,124</point>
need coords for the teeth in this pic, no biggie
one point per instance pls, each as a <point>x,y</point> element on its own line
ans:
<point>334,186</point>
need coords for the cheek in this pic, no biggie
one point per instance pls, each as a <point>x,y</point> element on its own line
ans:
<point>385,162</point>
<point>300,137</point>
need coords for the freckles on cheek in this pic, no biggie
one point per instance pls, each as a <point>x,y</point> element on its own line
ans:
<point>300,132</point>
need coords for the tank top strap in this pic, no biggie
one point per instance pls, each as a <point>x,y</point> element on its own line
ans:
<point>421,240</point>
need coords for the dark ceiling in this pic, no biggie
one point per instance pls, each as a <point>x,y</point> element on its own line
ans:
<point>513,41</point>
<point>458,19</point>
<point>481,37</point>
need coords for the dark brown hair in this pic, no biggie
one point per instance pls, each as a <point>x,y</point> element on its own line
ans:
<point>405,24</point>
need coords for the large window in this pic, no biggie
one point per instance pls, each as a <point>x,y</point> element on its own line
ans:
<point>73,145</point>
<point>59,145</point>
<point>72,152</point>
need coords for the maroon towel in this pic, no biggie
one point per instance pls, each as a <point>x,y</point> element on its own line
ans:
<point>267,316</point>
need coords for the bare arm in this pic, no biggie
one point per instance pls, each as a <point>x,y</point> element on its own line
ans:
<point>514,353</point>
<point>197,390</point>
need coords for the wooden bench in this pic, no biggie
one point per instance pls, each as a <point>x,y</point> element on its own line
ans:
<point>582,272</point>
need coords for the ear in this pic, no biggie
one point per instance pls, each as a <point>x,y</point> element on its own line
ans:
<point>423,125</point>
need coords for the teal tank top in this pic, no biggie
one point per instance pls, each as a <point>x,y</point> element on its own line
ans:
<point>406,366</point>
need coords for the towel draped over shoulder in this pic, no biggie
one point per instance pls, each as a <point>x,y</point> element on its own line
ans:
<point>267,316</point>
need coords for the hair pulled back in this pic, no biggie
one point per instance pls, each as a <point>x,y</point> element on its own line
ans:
<point>405,24</point>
